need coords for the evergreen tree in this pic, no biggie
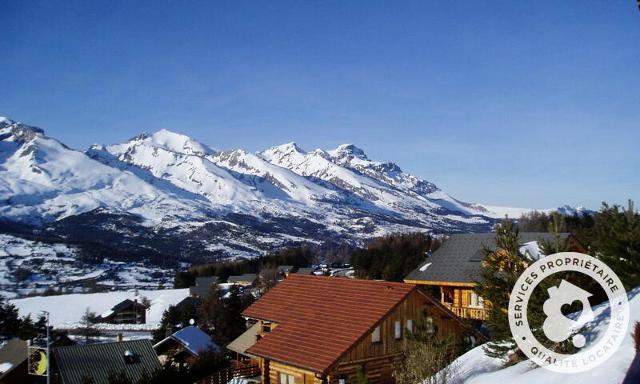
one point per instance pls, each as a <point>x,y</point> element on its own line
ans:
<point>556,226</point>
<point>232,321</point>
<point>617,243</point>
<point>9,321</point>
<point>501,268</point>
<point>392,257</point>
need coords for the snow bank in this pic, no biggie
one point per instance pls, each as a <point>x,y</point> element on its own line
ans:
<point>66,311</point>
<point>474,367</point>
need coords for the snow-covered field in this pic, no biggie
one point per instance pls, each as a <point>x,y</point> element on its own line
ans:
<point>475,367</point>
<point>66,311</point>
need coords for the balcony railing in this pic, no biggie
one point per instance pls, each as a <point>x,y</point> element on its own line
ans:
<point>224,376</point>
<point>468,312</point>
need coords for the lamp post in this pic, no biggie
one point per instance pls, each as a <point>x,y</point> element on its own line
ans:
<point>48,351</point>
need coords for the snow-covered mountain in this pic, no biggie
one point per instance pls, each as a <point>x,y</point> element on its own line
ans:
<point>166,191</point>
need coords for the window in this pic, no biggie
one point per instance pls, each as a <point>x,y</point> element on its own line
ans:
<point>375,336</point>
<point>475,300</point>
<point>287,379</point>
<point>431,328</point>
<point>409,325</point>
<point>398,329</point>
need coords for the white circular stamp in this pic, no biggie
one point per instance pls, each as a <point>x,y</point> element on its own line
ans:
<point>593,349</point>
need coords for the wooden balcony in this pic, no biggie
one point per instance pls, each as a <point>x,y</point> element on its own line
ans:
<point>238,370</point>
<point>474,313</point>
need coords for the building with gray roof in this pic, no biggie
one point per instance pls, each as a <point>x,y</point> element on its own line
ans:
<point>458,258</point>
<point>79,364</point>
<point>248,279</point>
<point>203,286</point>
<point>456,267</point>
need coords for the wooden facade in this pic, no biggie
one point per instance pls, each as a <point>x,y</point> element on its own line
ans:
<point>459,298</point>
<point>126,312</point>
<point>376,357</point>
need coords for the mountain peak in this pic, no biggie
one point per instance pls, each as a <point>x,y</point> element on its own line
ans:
<point>19,131</point>
<point>292,146</point>
<point>175,142</point>
<point>348,150</point>
<point>6,121</point>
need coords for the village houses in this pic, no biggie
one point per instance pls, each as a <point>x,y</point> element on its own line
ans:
<point>311,329</point>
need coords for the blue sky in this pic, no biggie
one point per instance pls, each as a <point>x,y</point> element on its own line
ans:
<point>532,104</point>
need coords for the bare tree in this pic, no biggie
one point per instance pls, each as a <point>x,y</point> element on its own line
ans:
<point>268,279</point>
<point>87,328</point>
<point>427,362</point>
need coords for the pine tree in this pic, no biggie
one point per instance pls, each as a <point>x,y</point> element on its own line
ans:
<point>233,322</point>
<point>617,243</point>
<point>9,321</point>
<point>556,226</point>
<point>501,268</point>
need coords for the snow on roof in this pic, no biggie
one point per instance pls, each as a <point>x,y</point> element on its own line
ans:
<point>193,339</point>
<point>531,251</point>
<point>424,267</point>
<point>4,367</point>
<point>67,310</point>
<point>474,367</point>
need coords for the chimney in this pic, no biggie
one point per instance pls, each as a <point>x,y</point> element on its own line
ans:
<point>119,337</point>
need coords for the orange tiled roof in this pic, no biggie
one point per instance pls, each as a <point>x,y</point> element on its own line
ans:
<point>320,318</point>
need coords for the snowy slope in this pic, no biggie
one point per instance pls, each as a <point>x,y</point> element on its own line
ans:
<point>41,179</point>
<point>66,311</point>
<point>348,167</point>
<point>475,367</point>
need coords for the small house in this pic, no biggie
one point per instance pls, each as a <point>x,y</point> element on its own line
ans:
<point>456,267</point>
<point>185,345</point>
<point>246,280</point>
<point>203,286</point>
<point>94,363</point>
<point>125,312</point>
<point>312,329</point>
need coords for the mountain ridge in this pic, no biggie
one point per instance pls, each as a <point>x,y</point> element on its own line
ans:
<point>254,202</point>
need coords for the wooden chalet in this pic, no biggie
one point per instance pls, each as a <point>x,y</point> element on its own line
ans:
<point>125,312</point>
<point>455,268</point>
<point>313,329</point>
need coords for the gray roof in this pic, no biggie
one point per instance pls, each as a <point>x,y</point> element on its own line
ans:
<point>247,277</point>
<point>305,271</point>
<point>77,362</point>
<point>203,284</point>
<point>206,281</point>
<point>246,340</point>
<point>200,291</point>
<point>458,258</point>
<point>12,354</point>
